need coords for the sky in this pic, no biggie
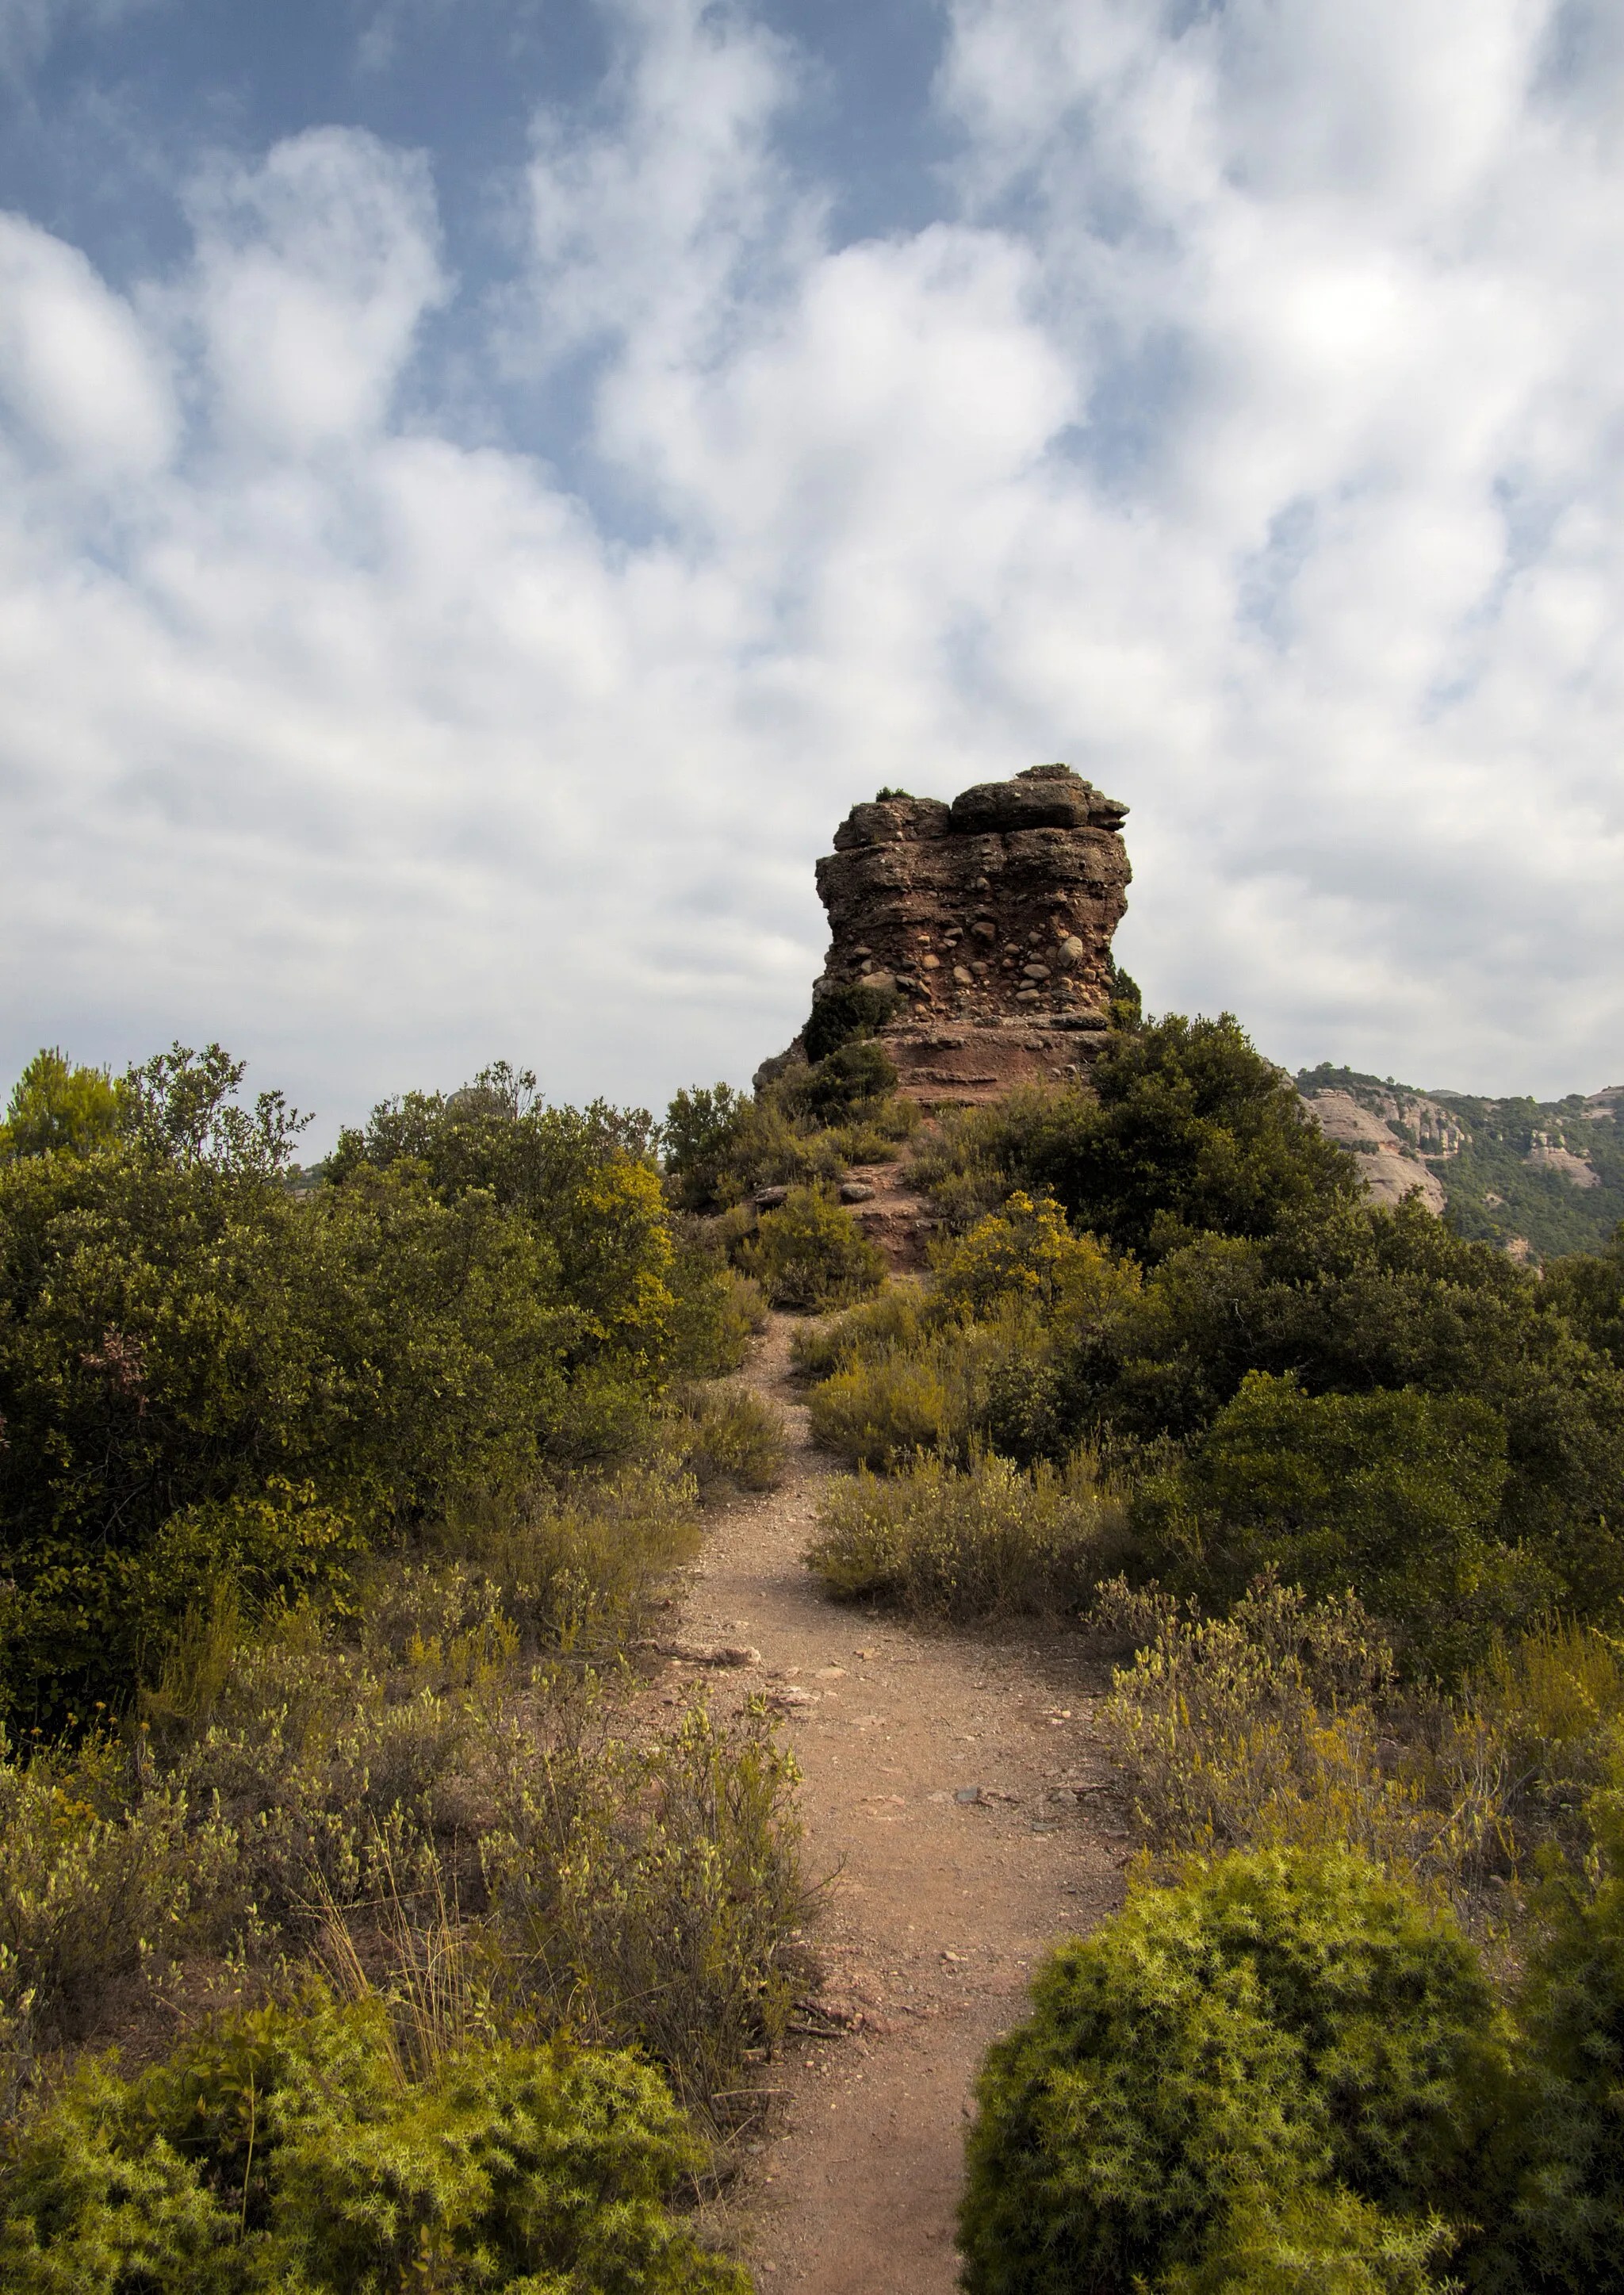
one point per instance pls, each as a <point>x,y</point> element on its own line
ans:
<point>486,484</point>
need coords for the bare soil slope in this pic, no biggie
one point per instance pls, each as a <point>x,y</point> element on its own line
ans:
<point>952,1788</point>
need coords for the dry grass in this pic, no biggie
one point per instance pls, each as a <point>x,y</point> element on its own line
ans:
<point>1282,1725</point>
<point>988,1541</point>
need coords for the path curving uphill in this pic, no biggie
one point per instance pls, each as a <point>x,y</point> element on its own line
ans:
<point>952,1787</point>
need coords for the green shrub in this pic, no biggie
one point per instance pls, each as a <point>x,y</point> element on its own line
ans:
<point>1569,2231</point>
<point>881,1414</point>
<point>972,1159</point>
<point>1186,1130</point>
<point>703,1133</point>
<point>737,1439</point>
<point>846,1015</point>
<point>95,1891</point>
<point>899,1321</point>
<point>853,1079</point>
<point>718,1314</point>
<point>989,1542</point>
<point>1397,1496</point>
<point>577,1569</point>
<point>875,1132</point>
<point>1314,2242</point>
<point>1586,1289</point>
<point>811,1254</point>
<point>1258,1730</point>
<point>285,2148</point>
<point>1280,2025</point>
<point>1024,1255</point>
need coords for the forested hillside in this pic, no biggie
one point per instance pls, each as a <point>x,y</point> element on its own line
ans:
<point>334,1510</point>
<point>1541,1177</point>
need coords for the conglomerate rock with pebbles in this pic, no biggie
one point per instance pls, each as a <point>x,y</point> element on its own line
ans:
<point>990,920</point>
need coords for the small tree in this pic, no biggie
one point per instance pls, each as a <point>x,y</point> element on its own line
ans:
<point>811,1253</point>
<point>56,1109</point>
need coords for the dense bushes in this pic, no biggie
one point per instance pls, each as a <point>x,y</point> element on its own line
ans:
<point>1569,2225</point>
<point>808,1121</point>
<point>1285,2072</point>
<point>1398,1494</point>
<point>1229,2064</point>
<point>330,1507</point>
<point>1183,1129</point>
<point>380,1770</point>
<point>294,2150</point>
<point>1281,1375</point>
<point>810,1253</point>
<point>737,1440</point>
<point>209,1374</point>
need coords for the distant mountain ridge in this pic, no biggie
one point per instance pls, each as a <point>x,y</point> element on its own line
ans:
<point>1536,1177</point>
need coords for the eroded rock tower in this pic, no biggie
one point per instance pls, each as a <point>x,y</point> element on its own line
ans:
<point>989,919</point>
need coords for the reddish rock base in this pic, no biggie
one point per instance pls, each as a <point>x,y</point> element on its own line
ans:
<point>967,1065</point>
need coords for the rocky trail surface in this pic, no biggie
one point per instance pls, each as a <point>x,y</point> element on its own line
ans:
<point>953,1793</point>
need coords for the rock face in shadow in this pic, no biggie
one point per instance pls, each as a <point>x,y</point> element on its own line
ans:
<point>991,918</point>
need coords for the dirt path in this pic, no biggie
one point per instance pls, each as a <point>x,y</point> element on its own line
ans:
<point>951,1784</point>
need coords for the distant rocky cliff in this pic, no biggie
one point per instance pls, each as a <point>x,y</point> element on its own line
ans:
<point>988,920</point>
<point>1537,1177</point>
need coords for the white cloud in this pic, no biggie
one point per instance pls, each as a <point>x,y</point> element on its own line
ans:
<point>1247,431</point>
<point>314,274</point>
<point>76,369</point>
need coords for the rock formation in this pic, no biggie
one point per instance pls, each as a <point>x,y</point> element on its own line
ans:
<point>1389,1163</point>
<point>989,918</point>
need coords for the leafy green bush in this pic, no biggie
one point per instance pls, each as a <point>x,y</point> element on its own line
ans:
<point>286,2149</point>
<point>807,1125</point>
<point>1314,2242</point>
<point>206,1374</point>
<point>853,1078</point>
<point>738,1439</point>
<point>1586,1290</point>
<point>883,1413</point>
<point>989,1542</point>
<point>1396,1495</point>
<point>900,1319</point>
<point>810,1252</point>
<point>1279,2029</point>
<point>718,1312</point>
<point>1185,1129</point>
<point>94,1891</point>
<point>846,1015</point>
<point>1025,1251</point>
<point>703,1134</point>
<point>1569,2221</point>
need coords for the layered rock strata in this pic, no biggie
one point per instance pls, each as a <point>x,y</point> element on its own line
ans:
<point>991,918</point>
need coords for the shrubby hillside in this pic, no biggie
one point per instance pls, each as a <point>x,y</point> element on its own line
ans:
<point>1344,1484</point>
<point>331,1507</point>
